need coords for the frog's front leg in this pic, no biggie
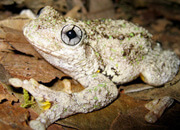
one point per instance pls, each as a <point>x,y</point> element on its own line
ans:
<point>100,92</point>
<point>39,91</point>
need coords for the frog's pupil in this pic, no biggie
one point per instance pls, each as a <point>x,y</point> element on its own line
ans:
<point>71,34</point>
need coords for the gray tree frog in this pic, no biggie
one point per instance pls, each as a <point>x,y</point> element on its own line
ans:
<point>99,54</point>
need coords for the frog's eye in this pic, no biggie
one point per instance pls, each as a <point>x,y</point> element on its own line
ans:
<point>71,35</point>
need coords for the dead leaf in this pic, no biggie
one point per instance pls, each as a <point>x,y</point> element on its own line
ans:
<point>27,67</point>
<point>134,119</point>
<point>7,2</point>
<point>160,25</point>
<point>74,12</point>
<point>98,10</point>
<point>13,116</point>
<point>6,95</point>
<point>60,5</point>
<point>170,39</point>
<point>4,75</point>
<point>59,85</point>
<point>12,38</point>
<point>19,21</point>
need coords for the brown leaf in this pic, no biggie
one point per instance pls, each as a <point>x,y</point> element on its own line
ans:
<point>134,120</point>
<point>12,38</point>
<point>6,95</point>
<point>60,85</point>
<point>74,12</point>
<point>170,39</point>
<point>13,116</point>
<point>26,67</point>
<point>4,75</point>
<point>99,10</point>
<point>161,25</point>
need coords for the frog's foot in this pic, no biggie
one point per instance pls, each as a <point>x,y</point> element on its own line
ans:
<point>99,92</point>
<point>160,67</point>
<point>38,91</point>
<point>50,116</point>
<point>37,125</point>
<point>157,107</point>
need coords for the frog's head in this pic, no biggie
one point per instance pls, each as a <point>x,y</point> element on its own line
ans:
<point>53,34</point>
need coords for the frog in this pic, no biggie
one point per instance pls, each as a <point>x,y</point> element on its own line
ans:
<point>100,54</point>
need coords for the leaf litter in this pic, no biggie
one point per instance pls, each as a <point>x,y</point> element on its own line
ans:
<point>20,60</point>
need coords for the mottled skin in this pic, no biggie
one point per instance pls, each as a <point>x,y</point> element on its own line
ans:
<point>110,52</point>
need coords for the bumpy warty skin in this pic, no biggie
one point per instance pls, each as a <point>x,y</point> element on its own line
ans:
<point>109,52</point>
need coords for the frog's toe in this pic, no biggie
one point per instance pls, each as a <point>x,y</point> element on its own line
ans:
<point>16,82</point>
<point>157,107</point>
<point>37,125</point>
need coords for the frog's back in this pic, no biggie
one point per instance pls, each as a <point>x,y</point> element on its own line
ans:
<point>126,51</point>
<point>121,46</point>
<point>118,40</point>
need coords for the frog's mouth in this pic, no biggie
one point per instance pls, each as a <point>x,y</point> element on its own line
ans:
<point>38,47</point>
